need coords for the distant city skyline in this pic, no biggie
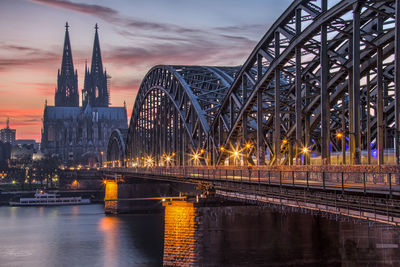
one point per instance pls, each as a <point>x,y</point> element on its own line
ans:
<point>134,36</point>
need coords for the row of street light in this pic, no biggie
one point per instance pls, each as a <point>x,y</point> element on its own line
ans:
<point>195,157</point>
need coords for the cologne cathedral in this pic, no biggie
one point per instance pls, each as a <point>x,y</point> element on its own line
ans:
<point>80,133</point>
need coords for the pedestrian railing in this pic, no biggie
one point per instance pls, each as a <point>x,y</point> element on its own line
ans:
<point>363,181</point>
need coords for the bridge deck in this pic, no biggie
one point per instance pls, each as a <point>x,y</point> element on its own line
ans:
<point>387,183</point>
<point>365,195</point>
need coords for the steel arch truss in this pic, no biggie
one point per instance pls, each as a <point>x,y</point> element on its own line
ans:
<point>324,78</point>
<point>116,147</point>
<point>173,111</point>
<point>325,73</point>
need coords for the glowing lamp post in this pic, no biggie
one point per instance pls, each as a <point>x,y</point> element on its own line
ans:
<point>339,136</point>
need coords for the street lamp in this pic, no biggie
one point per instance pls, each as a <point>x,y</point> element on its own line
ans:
<point>339,136</point>
<point>305,150</point>
<point>248,145</point>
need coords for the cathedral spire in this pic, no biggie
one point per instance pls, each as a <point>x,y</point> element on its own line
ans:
<point>67,80</point>
<point>97,64</point>
<point>67,65</point>
<point>95,91</point>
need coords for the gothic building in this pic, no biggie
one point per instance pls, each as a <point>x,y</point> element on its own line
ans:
<point>81,133</point>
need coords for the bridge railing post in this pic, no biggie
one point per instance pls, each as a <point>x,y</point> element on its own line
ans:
<point>308,178</point>
<point>342,183</point>
<point>365,184</point>
<point>389,177</point>
<point>323,180</point>
<point>269,177</point>
<point>293,178</point>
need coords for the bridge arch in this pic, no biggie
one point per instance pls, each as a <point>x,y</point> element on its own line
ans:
<point>116,148</point>
<point>305,59</point>
<point>173,111</point>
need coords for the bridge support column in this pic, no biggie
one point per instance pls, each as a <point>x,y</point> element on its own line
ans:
<point>356,85</point>
<point>343,138</point>
<point>277,115</point>
<point>111,205</point>
<point>299,126</point>
<point>397,82</point>
<point>325,105</point>
<point>260,139</point>
<point>246,152</point>
<point>380,104</point>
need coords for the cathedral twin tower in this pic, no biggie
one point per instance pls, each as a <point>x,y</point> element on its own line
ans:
<point>74,133</point>
<point>95,91</point>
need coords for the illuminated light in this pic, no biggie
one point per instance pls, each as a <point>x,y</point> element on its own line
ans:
<point>222,148</point>
<point>104,182</point>
<point>173,154</point>
<point>248,145</point>
<point>202,151</point>
<point>168,158</point>
<point>163,200</point>
<point>339,135</point>
<point>75,183</point>
<point>196,156</point>
<point>13,182</point>
<point>236,153</point>
<point>284,141</point>
<point>305,150</point>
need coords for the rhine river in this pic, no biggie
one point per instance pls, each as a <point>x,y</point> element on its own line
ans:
<point>186,235</point>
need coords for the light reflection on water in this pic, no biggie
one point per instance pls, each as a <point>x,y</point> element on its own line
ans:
<point>189,236</point>
<point>78,236</point>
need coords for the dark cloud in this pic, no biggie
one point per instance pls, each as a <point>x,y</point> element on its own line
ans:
<point>8,63</point>
<point>111,15</point>
<point>96,10</point>
<point>134,27</point>
<point>25,56</point>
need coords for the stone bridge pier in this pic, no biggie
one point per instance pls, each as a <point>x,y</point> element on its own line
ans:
<point>135,195</point>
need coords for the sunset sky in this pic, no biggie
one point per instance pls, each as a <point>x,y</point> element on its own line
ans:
<point>134,36</point>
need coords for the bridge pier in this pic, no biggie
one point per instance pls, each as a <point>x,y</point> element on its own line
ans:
<point>135,195</point>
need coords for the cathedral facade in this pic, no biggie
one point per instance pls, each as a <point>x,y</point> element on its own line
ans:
<point>81,133</point>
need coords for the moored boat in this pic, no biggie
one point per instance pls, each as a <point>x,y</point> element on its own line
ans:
<point>43,198</point>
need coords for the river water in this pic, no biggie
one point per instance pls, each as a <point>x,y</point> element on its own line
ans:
<point>186,235</point>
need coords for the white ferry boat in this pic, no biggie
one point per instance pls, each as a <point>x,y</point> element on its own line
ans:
<point>43,198</point>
